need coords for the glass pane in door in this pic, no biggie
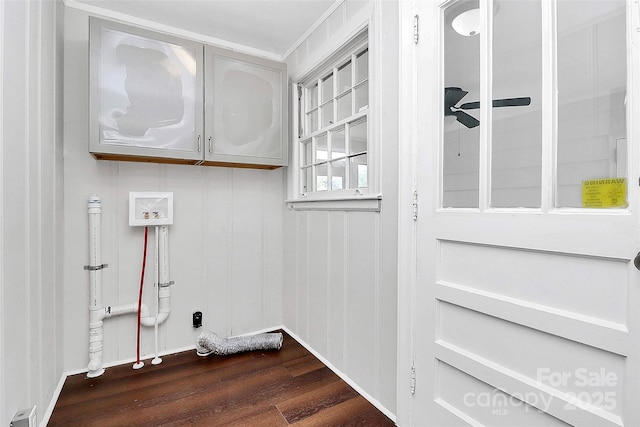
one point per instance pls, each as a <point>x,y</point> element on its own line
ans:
<point>461,134</point>
<point>591,170</point>
<point>516,145</point>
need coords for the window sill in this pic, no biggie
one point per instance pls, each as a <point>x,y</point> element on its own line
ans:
<point>350,204</point>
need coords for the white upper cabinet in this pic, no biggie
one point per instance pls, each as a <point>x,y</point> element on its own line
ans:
<point>146,94</point>
<point>245,121</point>
<point>148,101</point>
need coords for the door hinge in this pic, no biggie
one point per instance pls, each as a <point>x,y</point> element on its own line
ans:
<point>416,29</point>
<point>412,387</point>
<point>415,205</point>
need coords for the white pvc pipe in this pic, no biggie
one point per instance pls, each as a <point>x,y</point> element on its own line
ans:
<point>164,290</point>
<point>121,309</point>
<point>156,360</point>
<point>97,312</point>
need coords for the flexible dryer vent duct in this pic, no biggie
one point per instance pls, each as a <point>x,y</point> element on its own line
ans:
<point>209,343</point>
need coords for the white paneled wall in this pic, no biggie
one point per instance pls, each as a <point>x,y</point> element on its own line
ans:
<point>226,244</point>
<point>236,254</point>
<point>340,280</point>
<point>30,205</point>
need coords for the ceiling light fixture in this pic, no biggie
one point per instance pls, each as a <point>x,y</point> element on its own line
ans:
<point>467,23</point>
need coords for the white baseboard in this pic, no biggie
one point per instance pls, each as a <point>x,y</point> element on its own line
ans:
<point>54,400</point>
<point>342,375</point>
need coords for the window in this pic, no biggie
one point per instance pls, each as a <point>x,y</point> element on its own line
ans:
<point>333,135</point>
<point>556,133</point>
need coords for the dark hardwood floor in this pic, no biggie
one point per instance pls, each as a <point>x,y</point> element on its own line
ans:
<point>289,387</point>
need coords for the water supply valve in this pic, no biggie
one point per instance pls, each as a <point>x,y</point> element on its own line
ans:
<point>150,208</point>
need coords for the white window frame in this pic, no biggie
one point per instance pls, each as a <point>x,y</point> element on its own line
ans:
<point>360,199</point>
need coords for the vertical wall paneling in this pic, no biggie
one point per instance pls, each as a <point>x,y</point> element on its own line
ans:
<point>317,280</point>
<point>30,202</point>
<point>273,229</point>
<point>246,250</point>
<point>361,321</point>
<point>3,409</point>
<point>301,283</point>
<point>336,289</point>
<point>14,197</point>
<point>217,224</point>
<point>34,190</point>
<point>344,264</point>
<point>289,275</point>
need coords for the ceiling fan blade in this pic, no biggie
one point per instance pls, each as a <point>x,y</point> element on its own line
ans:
<point>453,95</point>
<point>466,119</point>
<point>507,102</point>
<point>512,102</point>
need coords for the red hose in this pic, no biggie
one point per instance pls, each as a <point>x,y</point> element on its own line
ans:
<point>144,263</point>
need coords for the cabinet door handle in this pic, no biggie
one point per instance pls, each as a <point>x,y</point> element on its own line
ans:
<point>210,144</point>
<point>199,144</point>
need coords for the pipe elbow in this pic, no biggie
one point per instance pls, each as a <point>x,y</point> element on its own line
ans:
<point>97,315</point>
<point>150,321</point>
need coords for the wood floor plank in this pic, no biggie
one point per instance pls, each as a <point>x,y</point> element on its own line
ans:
<point>303,365</point>
<point>270,397</point>
<point>316,400</point>
<point>270,388</point>
<point>270,418</point>
<point>350,413</point>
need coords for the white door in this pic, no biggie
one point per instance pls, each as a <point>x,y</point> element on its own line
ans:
<point>526,294</point>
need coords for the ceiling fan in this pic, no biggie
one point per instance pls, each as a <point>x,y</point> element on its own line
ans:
<point>453,95</point>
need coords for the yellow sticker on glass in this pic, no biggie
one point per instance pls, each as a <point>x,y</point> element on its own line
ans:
<point>604,193</point>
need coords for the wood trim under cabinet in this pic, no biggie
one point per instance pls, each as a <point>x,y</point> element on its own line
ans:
<point>144,159</point>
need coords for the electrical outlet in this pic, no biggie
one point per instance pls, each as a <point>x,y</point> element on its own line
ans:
<point>25,418</point>
<point>197,319</point>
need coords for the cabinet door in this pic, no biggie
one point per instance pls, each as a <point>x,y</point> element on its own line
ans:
<point>245,116</point>
<point>146,94</point>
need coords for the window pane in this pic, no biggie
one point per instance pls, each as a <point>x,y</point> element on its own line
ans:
<point>307,153</point>
<point>337,143</point>
<point>338,177</point>
<point>321,148</point>
<point>307,180</point>
<point>362,66</point>
<point>322,178</point>
<point>461,137</point>
<point>516,168</point>
<point>358,137</point>
<point>312,122</point>
<point>327,114</point>
<point>591,100</point>
<point>362,97</point>
<point>312,97</point>
<point>344,77</point>
<point>344,106</point>
<point>358,171</point>
<point>327,88</point>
